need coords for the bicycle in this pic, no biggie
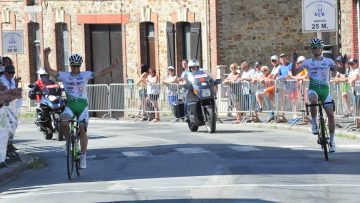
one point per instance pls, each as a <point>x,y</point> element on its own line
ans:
<point>72,149</point>
<point>323,135</point>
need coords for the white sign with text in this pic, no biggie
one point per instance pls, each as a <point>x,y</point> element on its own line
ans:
<point>319,15</point>
<point>12,42</point>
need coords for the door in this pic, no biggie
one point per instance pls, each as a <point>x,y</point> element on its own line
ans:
<point>106,44</point>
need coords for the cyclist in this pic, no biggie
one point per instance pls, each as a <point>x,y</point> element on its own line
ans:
<point>318,70</point>
<point>75,83</point>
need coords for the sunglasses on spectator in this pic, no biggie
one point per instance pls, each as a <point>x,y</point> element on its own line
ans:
<point>233,67</point>
<point>273,60</point>
<point>10,72</point>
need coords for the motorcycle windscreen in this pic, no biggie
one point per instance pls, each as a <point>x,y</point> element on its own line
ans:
<point>195,113</point>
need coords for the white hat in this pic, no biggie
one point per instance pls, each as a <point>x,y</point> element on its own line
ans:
<point>171,67</point>
<point>42,72</point>
<point>274,57</point>
<point>301,59</point>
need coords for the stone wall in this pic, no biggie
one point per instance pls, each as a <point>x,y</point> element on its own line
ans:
<point>255,30</point>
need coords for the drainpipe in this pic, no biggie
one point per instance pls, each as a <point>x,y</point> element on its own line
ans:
<point>207,27</point>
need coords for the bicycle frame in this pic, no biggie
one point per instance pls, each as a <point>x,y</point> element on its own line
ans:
<point>323,135</point>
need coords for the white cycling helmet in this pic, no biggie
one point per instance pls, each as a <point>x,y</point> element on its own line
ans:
<point>75,59</point>
<point>42,72</point>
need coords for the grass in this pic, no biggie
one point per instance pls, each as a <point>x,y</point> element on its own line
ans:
<point>27,115</point>
<point>346,135</point>
<point>37,163</point>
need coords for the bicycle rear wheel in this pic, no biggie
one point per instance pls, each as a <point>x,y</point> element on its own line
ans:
<point>323,140</point>
<point>69,156</point>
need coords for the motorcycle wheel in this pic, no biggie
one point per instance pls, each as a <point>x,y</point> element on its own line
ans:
<point>192,126</point>
<point>211,123</point>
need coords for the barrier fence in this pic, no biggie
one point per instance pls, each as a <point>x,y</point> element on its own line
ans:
<point>288,97</point>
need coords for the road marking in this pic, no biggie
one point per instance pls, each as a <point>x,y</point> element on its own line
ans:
<point>191,150</point>
<point>136,153</point>
<point>11,195</point>
<point>349,146</point>
<point>245,148</point>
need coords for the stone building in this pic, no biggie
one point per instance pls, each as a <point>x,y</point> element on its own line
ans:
<point>163,32</point>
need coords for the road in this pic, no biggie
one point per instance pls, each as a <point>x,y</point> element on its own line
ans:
<point>164,162</point>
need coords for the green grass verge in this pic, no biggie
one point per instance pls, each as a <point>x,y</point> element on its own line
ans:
<point>37,163</point>
<point>27,115</point>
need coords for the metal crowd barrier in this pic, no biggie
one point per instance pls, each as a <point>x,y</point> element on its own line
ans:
<point>287,97</point>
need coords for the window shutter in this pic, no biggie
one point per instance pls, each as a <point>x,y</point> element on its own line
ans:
<point>170,35</point>
<point>195,41</point>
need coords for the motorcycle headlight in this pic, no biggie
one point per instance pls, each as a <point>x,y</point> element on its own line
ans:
<point>52,98</point>
<point>206,92</point>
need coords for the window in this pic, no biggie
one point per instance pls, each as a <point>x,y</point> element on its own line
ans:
<point>34,49</point>
<point>147,44</point>
<point>62,46</point>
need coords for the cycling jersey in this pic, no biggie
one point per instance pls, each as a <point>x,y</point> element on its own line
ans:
<point>319,75</point>
<point>75,89</point>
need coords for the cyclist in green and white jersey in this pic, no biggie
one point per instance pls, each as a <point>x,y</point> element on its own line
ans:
<point>318,70</point>
<point>75,83</point>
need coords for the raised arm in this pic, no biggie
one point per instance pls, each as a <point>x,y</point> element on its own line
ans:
<point>108,69</point>
<point>48,68</point>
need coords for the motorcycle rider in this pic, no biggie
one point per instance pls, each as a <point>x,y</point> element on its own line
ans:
<point>44,81</point>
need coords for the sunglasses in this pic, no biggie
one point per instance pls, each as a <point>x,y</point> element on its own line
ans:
<point>273,61</point>
<point>75,66</point>
<point>316,48</point>
<point>11,72</point>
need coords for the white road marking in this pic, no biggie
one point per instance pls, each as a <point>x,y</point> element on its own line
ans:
<point>191,150</point>
<point>136,153</point>
<point>245,148</point>
<point>10,195</point>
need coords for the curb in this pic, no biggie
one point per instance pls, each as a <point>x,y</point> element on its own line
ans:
<point>13,169</point>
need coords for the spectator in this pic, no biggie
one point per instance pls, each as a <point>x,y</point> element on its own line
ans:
<point>144,69</point>
<point>255,78</point>
<point>153,92</point>
<point>267,87</point>
<point>171,82</point>
<point>8,81</point>
<point>298,74</point>
<point>276,66</point>
<point>233,81</point>
<point>342,74</point>
<point>282,75</point>
<point>246,77</point>
<point>185,66</point>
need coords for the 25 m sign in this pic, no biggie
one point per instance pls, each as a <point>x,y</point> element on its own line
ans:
<point>319,15</point>
<point>12,42</point>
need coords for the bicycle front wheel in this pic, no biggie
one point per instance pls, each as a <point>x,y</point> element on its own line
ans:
<point>69,156</point>
<point>77,161</point>
<point>323,140</point>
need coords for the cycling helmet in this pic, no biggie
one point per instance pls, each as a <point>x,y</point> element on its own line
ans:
<point>193,62</point>
<point>316,43</point>
<point>75,59</point>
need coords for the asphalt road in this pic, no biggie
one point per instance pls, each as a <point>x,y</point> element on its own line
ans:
<point>164,162</point>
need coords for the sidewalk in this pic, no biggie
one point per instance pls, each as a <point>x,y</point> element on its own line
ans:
<point>15,167</point>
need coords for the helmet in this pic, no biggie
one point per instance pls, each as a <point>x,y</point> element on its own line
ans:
<point>75,59</point>
<point>42,72</point>
<point>316,43</point>
<point>193,62</point>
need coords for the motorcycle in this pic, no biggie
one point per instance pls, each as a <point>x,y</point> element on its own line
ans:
<point>49,109</point>
<point>201,107</point>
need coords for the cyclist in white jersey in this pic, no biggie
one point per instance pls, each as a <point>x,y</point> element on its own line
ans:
<point>318,69</point>
<point>75,83</point>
